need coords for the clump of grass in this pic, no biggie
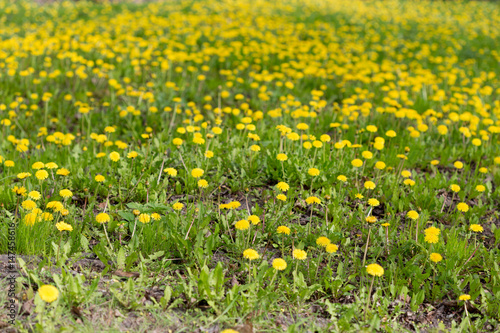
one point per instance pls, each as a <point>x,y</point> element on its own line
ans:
<point>161,141</point>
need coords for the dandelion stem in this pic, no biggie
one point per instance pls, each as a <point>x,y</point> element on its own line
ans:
<point>387,239</point>
<point>58,248</point>
<point>369,296</point>
<point>416,231</point>
<point>326,216</point>
<point>314,157</point>
<point>182,160</point>
<point>248,238</point>
<point>451,204</point>
<point>295,275</point>
<point>272,280</point>
<point>17,206</point>
<point>357,187</point>
<point>133,231</point>
<point>106,233</point>
<point>192,222</point>
<point>317,266</point>
<point>366,247</point>
<point>249,272</point>
<point>310,222</point>
<point>161,170</point>
<point>283,245</point>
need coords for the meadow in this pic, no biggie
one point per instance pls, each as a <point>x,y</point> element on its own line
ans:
<point>250,166</point>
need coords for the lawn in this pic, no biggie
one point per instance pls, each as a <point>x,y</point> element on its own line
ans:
<point>249,166</point>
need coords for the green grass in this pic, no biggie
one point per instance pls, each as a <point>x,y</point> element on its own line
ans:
<point>171,86</point>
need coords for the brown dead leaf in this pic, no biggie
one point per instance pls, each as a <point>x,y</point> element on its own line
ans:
<point>246,328</point>
<point>234,282</point>
<point>118,314</point>
<point>77,311</point>
<point>123,274</point>
<point>27,307</point>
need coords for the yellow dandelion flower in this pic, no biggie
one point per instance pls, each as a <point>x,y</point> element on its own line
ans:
<point>406,173</point>
<point>299,254</point>
<point>412,215</point>
<point>409,182</point>
<point>432,235</point>
<point>177,206</point>
<point>279,264</point>
<point>283,230</point>
<point>197,172</point>
<point>102,218</point>
<point>322,241</point>
<point>51,165</point>
<point>313,200</point>
<point>114,156</point>
<point>281,197</point>
<point>357,163</point>
<point>282,186</point>
<point>41,174</point>
<point>331,248</point>
<point>46,216</point>
<point>476,228</point>
<point>23,175</point>
<point>171,172</point>
<point>380,165</point>
<point>282,157</point>
<point>463,207</point>
<point>313,172</point>
<point>254,219</point>
<point>242,225</point>
<point>342,178</point>
<point>368,155</point>
<point>65,193</point>
<point>63,172</point>
<point>62,226</point>
<point>375,270</point>
<point>255,148</point>
<point>35,195</point>
<point>38,165</point>
<point>435,257</point>
<point>250,254</point>
<point>234,204</point>
<point>144,218</point>
<point>369,185</point>
<point>132,154</point>
<point>48,293</point>
<point>390,134</point>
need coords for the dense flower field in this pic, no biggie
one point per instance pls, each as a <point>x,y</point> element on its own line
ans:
<point>246,166</point>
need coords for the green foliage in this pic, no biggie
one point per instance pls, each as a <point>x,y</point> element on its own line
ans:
<point>167,120</point>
